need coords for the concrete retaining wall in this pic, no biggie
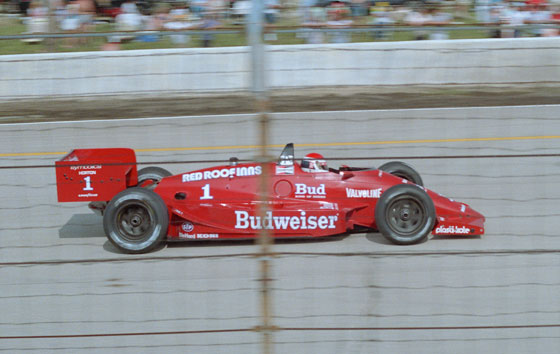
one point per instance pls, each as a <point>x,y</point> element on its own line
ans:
<point>469,62</point>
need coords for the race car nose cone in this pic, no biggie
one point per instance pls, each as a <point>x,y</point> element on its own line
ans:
<point>476,214</point>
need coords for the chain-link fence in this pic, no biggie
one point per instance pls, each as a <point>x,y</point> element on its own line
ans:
<point>66,288</point>
<point>80,26</point>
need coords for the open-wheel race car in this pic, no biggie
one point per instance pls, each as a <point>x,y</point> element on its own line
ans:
<point>142,208</point>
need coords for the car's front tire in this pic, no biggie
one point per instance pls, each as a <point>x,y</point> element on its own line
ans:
<point>136,220</point>
<point>405,214</point>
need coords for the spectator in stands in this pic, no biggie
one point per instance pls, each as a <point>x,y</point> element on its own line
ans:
<point>398,13</point>
<point>381,16</point>
<point>315,18</point>
<point>130,18</point>
<point>159,17</point>
<point>538,13</point>
<point>482,10</point>
<point>76,17</point>
<point>217,8</point>
<point>240,11</point>
<point>304,10</point>
<point>513,17</point>
<point>417,18</point>
<point>37,9</point>
<point>71,23</point>
<point>209,22</point>
<point>555,18</point>
<point>358,8</point>
<point>198,7</point>
<point>180,18</point>
<point>439,18</point>
<point>462,9</point>
<point>271,9</point>
<point>37,21</point>
<point>338,18</point>
<point>24,6</point>
<point>129,7</point>
<point>495,18</point>
<point>87,13</point>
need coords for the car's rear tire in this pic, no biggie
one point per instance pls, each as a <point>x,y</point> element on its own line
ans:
<point>149,177</point>
<point>136,220</point>
<point>405,214</point>
<point>403,170</point>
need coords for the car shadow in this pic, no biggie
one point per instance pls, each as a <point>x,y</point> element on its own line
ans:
<point>82,226</point>
<point>377,237</point>
<point>109,247</point>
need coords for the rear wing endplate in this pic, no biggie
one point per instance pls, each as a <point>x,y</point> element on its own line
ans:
<point>87,175</point>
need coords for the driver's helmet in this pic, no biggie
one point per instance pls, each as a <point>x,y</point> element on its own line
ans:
<point>314,162</point>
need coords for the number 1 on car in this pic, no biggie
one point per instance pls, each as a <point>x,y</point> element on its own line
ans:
<point>88,183</point>
<point>206,194</point>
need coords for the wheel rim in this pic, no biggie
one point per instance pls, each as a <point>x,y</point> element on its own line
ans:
<point>406,216</point>
<point>135,222</point>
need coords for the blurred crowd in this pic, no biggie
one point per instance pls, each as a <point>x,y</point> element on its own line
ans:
<point>507,18</point>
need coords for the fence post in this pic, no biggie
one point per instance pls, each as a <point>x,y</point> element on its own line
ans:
<point>261,101</point>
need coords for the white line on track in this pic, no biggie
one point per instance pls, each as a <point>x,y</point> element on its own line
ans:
<point>277,113</point>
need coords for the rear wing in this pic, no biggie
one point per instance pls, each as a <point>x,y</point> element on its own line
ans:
<point>88,175</point>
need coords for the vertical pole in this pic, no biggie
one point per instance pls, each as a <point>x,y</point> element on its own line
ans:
<point>52,25</point>
<point>257,48</point>
<point>261,101</point>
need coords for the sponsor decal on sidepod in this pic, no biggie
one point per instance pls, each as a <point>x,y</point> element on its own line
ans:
<point>301,222</point>
<point>305,191</point>
<point>187,226</point>
<point>222,173</point>
<point>363,193</point>
<point>452,230</point>
<point>198,236</point>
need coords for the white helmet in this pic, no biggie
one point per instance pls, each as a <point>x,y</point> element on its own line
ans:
<point>314,162</point>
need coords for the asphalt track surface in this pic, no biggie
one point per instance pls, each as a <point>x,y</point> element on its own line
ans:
<point>65,289</point>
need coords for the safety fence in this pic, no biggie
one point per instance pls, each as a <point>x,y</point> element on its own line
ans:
<point>66,289</point>
<point>42,42</point>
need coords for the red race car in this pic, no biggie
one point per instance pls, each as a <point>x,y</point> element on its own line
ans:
<point>142,208</point>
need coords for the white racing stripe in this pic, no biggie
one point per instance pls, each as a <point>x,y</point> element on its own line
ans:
<point>228,116</point>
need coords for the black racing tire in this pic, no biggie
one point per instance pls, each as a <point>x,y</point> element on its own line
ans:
<point>405,214</point>
<point>153,175</point>
<point>136,220</point>
<point>403,170</point>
